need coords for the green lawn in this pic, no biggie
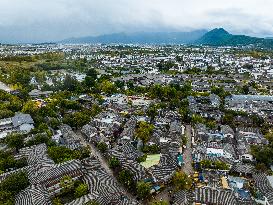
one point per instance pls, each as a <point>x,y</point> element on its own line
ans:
<point>151,160</point>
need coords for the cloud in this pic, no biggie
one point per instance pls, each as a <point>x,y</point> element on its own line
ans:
<point>50,20</point>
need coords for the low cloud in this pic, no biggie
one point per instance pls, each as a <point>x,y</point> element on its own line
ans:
<point>51,20</point>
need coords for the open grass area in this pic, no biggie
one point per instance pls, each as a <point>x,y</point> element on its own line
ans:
<point>151,160</point>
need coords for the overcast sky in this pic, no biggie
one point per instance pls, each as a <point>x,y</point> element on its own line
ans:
<point>51,20</point>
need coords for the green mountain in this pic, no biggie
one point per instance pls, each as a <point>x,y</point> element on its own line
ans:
<point>220,37</point>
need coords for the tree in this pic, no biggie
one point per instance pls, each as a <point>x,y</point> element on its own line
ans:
<point>92,73</point>
<point>108,87</point>
<point>89,81</point>
<point>54,123</point>
<point>102,146</point>
<point>6,113</point>
<point>158,203</point>
<point>142,158</point>
<point>126,178</point>
<point>61,154</point>
<point>14,183</point>
<point>57,201</point>
<point>143,189</point>
<point>144,131</point>
<point>197,119</point>
<point>70,83</point>
<point>81,119</point>
<point>15,140</point>
<point>8,161</point>
<point>245,89</point>
<point>30,107</point>
<point>114,162</point>
<point>181,181</point>
<point>6,198</point>
<point>184,140</point>
<point>91,76</point>
<point>67,184</point>
<point>81,190</point>
<point>228,118</point>
<point>152,112</point>
<point>263,154</point>
<point>92,203</point>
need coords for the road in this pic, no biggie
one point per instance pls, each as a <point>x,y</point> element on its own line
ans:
<point>95,152</point>
<point>187,155</point>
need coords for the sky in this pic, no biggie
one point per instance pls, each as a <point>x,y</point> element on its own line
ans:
<point>33,21</point>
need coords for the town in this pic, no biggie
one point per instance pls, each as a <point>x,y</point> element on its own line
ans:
<point>126,124</point>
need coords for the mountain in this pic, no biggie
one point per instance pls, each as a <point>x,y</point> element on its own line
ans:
<point>142,38</point>
<point>215,37</point>
<point>220,37</point>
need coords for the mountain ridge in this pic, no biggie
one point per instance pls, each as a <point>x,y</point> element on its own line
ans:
<point>220,37</point>
<point>215,37</point>
<point>141,38</point>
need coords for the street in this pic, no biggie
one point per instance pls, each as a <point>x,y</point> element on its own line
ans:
<point>187,155</point>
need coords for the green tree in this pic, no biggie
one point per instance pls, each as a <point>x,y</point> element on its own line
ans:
<point>92,73</point>
<point>70,83</point>
<point>6,198</point>
<point>228,118</point>
<point>61,154</point>
<point>92,203</point>
<point>15,183</point>
<point>143,189</point>
<point>197,119</point>
<point>6,113</point>
<point>15,140</point>
<point>54,123</point>
<point>181,181</point>
<point>108,87</point>
<point>152,112</point>
<point>245,89</point>
<point>57,201</point>
<point>81,190</point>
<point>159,203</point>
<point>144,131</point>
<point>114,162</point>
<point>67,184</point>
<point>102,146</point>
<point>126,178</point>
<point>30,107</point>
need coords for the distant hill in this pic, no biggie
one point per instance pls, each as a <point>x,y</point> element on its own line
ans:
<point>142,38</point>
<point>215,37</point>
<point>220,37</point>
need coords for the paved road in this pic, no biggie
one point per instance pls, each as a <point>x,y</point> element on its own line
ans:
<point>187,168</point>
